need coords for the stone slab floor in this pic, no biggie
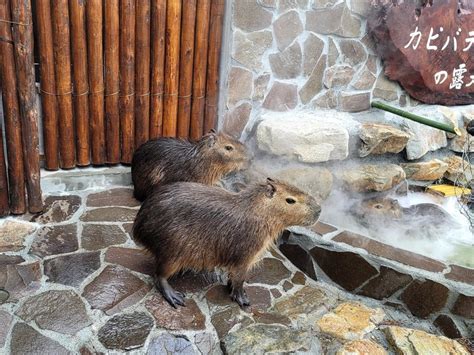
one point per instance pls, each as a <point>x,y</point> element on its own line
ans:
<point>72,281</point>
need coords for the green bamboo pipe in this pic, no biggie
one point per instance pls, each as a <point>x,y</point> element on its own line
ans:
<point>420,119</point>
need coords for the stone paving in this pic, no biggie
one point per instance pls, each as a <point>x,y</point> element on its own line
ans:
<point>73,281</point>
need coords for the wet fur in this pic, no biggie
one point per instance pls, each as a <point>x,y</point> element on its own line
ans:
<point>165,160</point>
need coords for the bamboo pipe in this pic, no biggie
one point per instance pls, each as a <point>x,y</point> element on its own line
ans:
<point>188,22</point>
<point>200,69</point>
<point>24,61</point>
<point>213,61</point>
<point>127,77</point>
<point>142,73</point>
<point>49,102</point>
<point>112,82</point>
<point>158,27</point>
<point>96,80</point>
<point>420,119</point>
<point>12,116</point>
<point>173,29</point>
<point>81,84</point>
<point>62,67</point>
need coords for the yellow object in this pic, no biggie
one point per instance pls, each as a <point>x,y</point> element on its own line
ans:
<point>449,190</point>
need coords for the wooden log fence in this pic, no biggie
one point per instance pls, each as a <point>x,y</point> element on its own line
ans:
<point>112,74</point>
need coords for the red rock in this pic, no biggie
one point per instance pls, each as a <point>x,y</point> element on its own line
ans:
<point>461,274</point>
<point>134,259</point>
<point>20,280</point>
<point>424,298</point>
<point>58,209</point>
<point>281,97</point>
<point>99,236</point>
<point>71,269</point>
<point>323,228</point>
<point>464,306</point>
<point>300,258</point>
<point>270,318</point>
<point>225,320</point>
<point>114,197</point>
<point>6,320</point>
<point>109,214</point>
<point>55,240</point>
<point>26,340</point>
<point>385,284</point>
<point>447,325</point>
<point>269,271</point>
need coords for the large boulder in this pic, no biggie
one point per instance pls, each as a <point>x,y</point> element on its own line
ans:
<point>370,178</point>
<point>459,170</point>
<point>381,138</point>
<point>316,181</point>
<point>304,136</point>
<point>426,171</point>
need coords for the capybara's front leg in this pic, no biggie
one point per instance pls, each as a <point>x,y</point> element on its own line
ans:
<point>237,291</point>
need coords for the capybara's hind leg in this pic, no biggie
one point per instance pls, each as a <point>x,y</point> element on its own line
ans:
<point>173,297</point>
<point>237,291</point>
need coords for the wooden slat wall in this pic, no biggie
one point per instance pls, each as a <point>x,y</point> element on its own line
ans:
<point>113,74</point>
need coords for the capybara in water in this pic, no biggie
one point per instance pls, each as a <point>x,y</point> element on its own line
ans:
<point>165,160</point>
<point>192,226</point>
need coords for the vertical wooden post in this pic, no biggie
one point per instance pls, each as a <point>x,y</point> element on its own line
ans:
<point>213,61</point>
<point>96,80</point>
<point>127,77</point>
<point>200,69</point>
<point>158,27</point>
<point>12,116</point>
<point>62,67</point>
<point>188,23</point>
<point>23,38</point>
<point>173,27</point>
<point>49,103</point>
<point>142,73</point>
<point>112,83</point>
<point>4,208</point>
<point>81,84</point>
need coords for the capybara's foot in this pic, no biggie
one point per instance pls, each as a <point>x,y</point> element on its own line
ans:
<point>240,296</point>
<point>173,297</point>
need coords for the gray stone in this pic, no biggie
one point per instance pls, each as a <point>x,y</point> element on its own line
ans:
<point>59,311</point>
<point>338,75</point>
<point>381,138</point>
<point>369,177</point>
<point>281,97</point>
<point>248,49</point>
<point>385,89</point>
<point>307,301</point>
<point>71,269</point>
<point>240,86</point>
<point>13,235</point>
<point>126,331</point>
<point>271,4</point>
<point>265,338</point>
<point>26,340</point>
<point>314,84</point>
<point>170,344</point>
<point>286,28</point>
<point>287,64</point>
<point>354,102</point>
<point>314,138</point>
<point>328,100</point>
<point>206,343</point>
<point>360,7</point>
<point>99,236</point>
<point>333,52</point>
<point>285,5</point>
<point>365,80</point>
<point>372,63</point>
<point>260,85</point>
<point>6,320</point>
<point>317,4</point>
<point>249,16</point>
<point>236,119</point>
<point>353,52</point>
<point>460,144</point>
<point>312,49</point>
<point>334,20</point>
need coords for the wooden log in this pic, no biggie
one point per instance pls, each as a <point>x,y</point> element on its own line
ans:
<point>170,96</point>
<point>49,102</point>
<point>4,207</point>
<point>188,23</point>
<point>12,116</point>
<point>112,82</point>
<point>142,73</point>
<point>62,67</point>
<point>127,77</point>
<point>24,62</point>
<point>81,84</point>
<point>213,62</point>
<point>200,69</point>
<point>158,27</point>
<point>96,80</point>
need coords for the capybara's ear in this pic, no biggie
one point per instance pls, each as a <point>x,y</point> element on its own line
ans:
<point>211,139</point>
<point>270,188</point>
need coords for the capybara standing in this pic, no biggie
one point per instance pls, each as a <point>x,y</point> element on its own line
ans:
<point>192,226</point>
<point>165,160</point>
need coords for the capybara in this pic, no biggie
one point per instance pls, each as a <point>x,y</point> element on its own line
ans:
<point>193,226</point>
<point>165,160</point>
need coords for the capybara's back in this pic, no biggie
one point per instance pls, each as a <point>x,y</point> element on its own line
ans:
<point>165,160</point>
<point>189,225</point>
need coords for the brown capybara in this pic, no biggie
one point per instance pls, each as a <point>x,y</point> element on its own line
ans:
<point>165,160</point>
<point>192,226</point>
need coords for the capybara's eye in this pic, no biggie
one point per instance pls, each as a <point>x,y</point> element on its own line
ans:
<point>229,148</point>
<point>290,201</point>
<point>378,206</point>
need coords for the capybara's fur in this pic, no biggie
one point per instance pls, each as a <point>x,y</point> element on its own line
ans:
<point>166,160</point>
<point>193,226</point>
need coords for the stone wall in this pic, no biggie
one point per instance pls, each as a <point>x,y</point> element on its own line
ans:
<point>293,54</point>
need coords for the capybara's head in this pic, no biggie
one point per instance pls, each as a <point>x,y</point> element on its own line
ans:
<point>288,205</point>
<point>379,208</point>
<point>225,151</point>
